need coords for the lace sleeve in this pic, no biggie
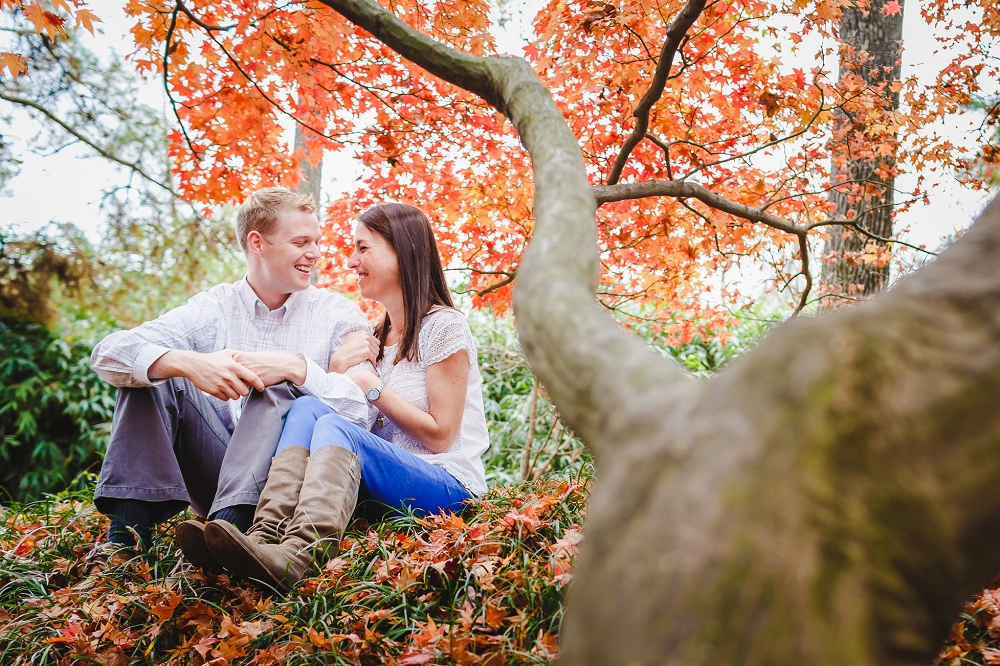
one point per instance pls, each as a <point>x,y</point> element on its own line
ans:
<point>446,333</point>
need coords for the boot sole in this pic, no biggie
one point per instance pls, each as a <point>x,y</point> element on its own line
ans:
<point>190,538</point>
<point>226,544</point>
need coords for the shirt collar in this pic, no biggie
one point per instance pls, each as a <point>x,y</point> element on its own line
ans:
<point>292,304</point>
<point>250,301</point>
<point>247,295</point>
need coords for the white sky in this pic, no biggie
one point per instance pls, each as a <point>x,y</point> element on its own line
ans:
<point>66,187</point>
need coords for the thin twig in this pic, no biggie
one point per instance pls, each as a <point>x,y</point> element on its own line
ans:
<point>530,439</point>
<point>804,257</point>
<point>665,147</point>
<point>675,33</point>
<point>857,227</point>
<point>134,166</point>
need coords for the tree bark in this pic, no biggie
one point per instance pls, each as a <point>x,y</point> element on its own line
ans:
<point>312,183</point>
<point>830,499</point>
<point>873,50</point>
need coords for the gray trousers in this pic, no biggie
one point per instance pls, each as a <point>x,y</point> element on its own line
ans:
<point>169,447</point>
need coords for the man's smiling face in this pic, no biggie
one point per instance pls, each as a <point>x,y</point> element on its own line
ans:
<point>290,251</point>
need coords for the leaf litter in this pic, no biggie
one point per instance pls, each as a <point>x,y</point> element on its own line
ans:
<point>482,588</point>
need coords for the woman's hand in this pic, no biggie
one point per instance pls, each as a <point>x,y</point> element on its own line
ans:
<point>358,347</point>
<point>364,379</point>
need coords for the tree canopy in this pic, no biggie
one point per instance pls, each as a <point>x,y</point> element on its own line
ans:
<point>703,146</point>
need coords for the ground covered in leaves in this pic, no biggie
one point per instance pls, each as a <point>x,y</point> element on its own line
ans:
<point>482,588</point>
<point>975,637</point>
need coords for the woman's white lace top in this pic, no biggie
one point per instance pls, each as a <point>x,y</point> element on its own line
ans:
<point>443,332</point>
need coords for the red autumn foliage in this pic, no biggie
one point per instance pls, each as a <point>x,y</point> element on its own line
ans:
<point>732,118</point>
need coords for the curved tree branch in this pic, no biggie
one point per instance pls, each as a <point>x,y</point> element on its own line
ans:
<point>682,189</point>
<point>168,48</point>
<point>579,353</point>
<point>100,150</point>
<point>675,33</point>
<point>210,28</point>
<point>686,190</point>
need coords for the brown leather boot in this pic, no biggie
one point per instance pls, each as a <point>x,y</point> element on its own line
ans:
<point>274,508</point>
<point>190,538</point>
<point>327,499</point>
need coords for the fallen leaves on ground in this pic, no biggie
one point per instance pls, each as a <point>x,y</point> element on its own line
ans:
<point>975,638</point>
<point>483,588</point>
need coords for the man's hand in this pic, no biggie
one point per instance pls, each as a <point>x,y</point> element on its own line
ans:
<point>358,347</point>
<point>273,367</point>
<point>218,374</point>
<point>364,379</point>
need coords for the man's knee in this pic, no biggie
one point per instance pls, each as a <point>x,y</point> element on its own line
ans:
<point>274,395</point>
<point>334,430</point>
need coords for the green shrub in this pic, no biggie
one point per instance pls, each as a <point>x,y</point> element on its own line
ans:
<point>522,420</point>
<point>54,411</point>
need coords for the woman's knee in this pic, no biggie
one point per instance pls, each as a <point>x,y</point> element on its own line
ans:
<point>334,430</point>
<point>307,405</point>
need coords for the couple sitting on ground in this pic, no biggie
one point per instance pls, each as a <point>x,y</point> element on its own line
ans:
<point>270,406</point>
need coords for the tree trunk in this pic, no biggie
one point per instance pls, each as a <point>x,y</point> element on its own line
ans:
<point>830,499</point>
<point>872,46</point>
<point>312,183</point>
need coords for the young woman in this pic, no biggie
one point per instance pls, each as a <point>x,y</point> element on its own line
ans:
<point>424,450</point>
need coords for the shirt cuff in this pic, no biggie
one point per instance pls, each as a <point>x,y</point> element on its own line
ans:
<point>145,358</point>
<point>315,377</point>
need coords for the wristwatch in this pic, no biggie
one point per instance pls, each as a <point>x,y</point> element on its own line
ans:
<point>373,393</point>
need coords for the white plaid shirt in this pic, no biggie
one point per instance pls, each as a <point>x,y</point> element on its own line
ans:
<point>311,324</point>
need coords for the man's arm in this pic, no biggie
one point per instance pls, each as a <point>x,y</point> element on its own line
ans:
<point>179,343</point>
<point>218,373</point>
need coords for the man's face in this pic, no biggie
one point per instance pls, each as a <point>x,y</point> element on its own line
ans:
<point>290,251</point>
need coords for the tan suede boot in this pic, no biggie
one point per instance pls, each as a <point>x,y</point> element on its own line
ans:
<point>327,499</point>
<point>275,507</point>
<point>278,500</point>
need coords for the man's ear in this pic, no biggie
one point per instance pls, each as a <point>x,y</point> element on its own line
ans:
<point>254,243</point>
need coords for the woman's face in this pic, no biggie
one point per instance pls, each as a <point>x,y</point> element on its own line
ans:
<point>375,263</point>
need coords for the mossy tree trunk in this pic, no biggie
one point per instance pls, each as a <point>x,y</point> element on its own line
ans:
<point>828,499</point>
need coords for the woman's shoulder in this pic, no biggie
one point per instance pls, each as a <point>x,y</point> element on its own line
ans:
<point>443,332</point>
<point>441,317</point>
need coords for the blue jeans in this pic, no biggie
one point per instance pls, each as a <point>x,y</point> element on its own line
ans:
<point>389,475</point>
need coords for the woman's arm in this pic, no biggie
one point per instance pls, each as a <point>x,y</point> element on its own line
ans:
<point>447,385</point>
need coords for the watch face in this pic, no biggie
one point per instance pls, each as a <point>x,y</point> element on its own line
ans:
<point>373,394</point>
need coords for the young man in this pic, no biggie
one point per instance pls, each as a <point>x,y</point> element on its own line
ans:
<point>204,387</point>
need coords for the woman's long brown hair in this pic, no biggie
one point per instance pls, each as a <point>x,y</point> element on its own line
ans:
<point>408,232</point>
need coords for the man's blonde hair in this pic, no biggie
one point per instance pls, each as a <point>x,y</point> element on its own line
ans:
<point>260,211</point>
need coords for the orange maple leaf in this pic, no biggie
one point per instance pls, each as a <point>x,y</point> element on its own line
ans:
<point>87,19</point>
<point>13,63</point>
<point>891,8</point>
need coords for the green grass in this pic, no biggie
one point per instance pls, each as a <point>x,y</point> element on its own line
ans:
<point>483,588</point>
